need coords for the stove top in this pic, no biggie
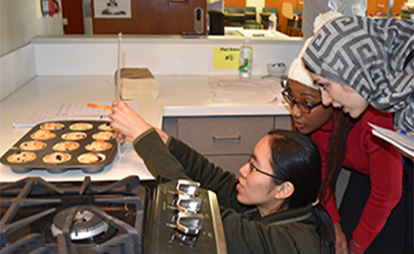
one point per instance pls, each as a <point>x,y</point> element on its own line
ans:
<point>72,217</point>
<point>126,216</point>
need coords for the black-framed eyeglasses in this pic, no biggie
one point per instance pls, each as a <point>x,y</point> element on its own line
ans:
<point>304,107</point>
<point>254,168</point>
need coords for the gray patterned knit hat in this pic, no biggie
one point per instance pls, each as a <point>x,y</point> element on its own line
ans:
<point>374,57</point>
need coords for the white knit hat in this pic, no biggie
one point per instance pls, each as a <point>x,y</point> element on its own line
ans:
<point>297,70</point>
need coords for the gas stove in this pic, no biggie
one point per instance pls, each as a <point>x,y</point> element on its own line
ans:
<point>126,216</point>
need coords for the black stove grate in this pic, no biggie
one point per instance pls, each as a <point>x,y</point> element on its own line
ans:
<point>28,207</point>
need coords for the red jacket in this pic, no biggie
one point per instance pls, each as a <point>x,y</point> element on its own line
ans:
<point>374,157</point>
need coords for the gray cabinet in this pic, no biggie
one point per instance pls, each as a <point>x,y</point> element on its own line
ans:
<point>225,140</point>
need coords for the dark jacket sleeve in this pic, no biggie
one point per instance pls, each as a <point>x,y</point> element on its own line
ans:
<point>179,161</point>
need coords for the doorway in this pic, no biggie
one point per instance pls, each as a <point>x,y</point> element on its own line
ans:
<point>72,13</point>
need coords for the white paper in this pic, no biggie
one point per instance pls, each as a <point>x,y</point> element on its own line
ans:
<point>72,110</point>
<point>114,9</point>
<point>30,117</point>
<point>403,142</point>
<point>245,91</point>
<point>67,111</point>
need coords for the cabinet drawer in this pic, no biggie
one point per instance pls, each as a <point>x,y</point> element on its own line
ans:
<point>223,135</point>
<point>231,163</point>
<point>283,122</point>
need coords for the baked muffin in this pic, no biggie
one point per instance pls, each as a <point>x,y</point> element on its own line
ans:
<point>52,126</point>
<point>105,127</point>
<point>21,157</point>
<point>104,135</point>
<point>66,146</point>
<point>91,158</point>
<point>32,145</point>
<point>74,135</point>
<point>80,126</point>
<point>98,146</point>
<point>43,134</point>
<point>56,158</point>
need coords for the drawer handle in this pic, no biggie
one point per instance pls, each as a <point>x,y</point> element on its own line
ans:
<point>381,6</point>
<point>235,137</point>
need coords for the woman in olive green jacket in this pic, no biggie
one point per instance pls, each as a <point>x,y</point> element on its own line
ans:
<point>271,208</point>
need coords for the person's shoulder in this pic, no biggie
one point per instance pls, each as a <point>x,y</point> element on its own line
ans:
<point>375,116</point>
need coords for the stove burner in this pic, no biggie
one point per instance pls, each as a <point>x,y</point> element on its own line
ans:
<point>122,216</point>
<point>84,224</point>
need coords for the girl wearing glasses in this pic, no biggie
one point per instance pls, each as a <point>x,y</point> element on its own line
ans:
<point>375,184</point>
<point>271,208</point>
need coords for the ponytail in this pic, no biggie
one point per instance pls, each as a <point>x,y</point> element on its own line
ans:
<point>325,228</point>
<point>337,146</point>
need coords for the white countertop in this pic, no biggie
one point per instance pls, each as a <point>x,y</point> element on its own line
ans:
<point>178,96</point>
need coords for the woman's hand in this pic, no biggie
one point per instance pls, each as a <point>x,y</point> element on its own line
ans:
<point>126,122</point>
<point>341,244</point>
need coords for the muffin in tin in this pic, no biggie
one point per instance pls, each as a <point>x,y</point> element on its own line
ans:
<point>66,146</point>
<point>43,134</point>
<point>98,146</point>
<point>56,158</point>
<point>74,135</point>
<point>104,135</point>
<point>52,126</point>
<point>91,158</point>
<point>21,157</point>
<point>32,145</point>
<point>105,127</point>
<point>80,126</point>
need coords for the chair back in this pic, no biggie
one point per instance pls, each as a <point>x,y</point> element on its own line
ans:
<point>250,13</point>
<point>287,10</point>
<point>216,22</point>
<point>270,10</point>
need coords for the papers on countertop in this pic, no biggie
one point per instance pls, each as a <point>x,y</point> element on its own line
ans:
<point>246,91</point>
<point>70,110</point>
<point>67,111</point>
<point>403,142</point>
<point>30,117</point>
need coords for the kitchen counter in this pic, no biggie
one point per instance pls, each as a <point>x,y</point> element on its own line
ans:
<point>178,96</point>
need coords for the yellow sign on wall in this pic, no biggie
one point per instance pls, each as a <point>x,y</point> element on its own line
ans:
<point>226,58</point>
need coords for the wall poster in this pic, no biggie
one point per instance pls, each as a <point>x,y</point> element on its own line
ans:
<point>112,9</point>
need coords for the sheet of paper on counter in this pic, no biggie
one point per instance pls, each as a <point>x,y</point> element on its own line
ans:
<point>67,111</point>
<point>265,90</point>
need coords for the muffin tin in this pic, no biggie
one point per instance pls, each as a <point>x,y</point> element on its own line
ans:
<point>104,157</point>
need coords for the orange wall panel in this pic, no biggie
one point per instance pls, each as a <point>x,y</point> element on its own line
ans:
<point>235,3</point>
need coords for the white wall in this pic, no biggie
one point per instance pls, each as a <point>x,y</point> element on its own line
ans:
<point>17,68</point>
<point>19,23</point>
<point>163,56</point>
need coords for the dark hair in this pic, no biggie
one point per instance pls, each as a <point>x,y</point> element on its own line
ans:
<point>337,146</point>
<point>296,158</point>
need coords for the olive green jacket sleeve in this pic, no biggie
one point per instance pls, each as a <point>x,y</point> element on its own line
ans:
<point>176,160</point>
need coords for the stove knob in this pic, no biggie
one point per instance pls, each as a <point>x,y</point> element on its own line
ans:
<point>189,223</point>
<point>187,187</point>
<point>188,204</point>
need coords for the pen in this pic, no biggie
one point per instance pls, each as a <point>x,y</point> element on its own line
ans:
<point>98,106</point>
